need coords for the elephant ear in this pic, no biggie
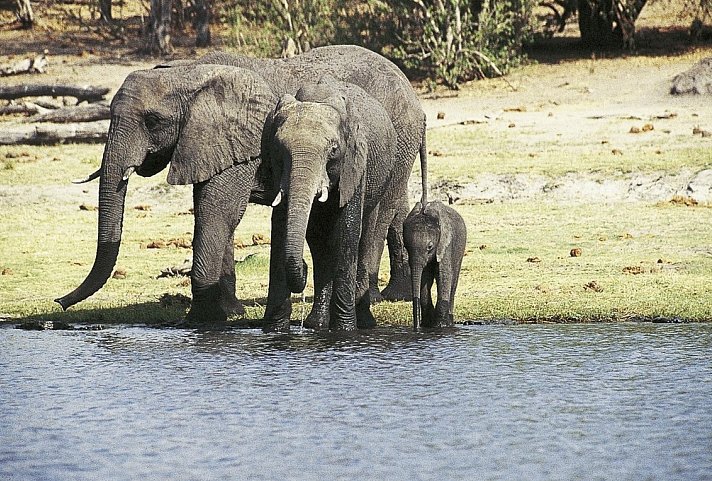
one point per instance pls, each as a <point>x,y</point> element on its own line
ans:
<point>223,123</point>
<point>438,212</point>
<point>353,166</point>
<point>272,123</point>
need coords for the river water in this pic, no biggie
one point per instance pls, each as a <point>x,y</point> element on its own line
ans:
<point>541,402</point>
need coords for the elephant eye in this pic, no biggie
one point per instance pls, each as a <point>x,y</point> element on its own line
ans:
<point>430,245</point>
<point>333,150</point>
<point>152,121</point>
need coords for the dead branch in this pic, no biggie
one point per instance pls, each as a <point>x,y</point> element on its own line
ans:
<point>87,113</point>
<point>88,92</point>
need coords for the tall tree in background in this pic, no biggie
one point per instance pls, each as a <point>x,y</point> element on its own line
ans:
<point>202,23</point>
<point>24,13</point>
<point>158,30</point>
<point>105,10</point>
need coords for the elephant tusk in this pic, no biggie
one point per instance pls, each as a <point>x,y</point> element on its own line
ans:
<point>324,195</point>
<point>278,199</point>
<point>128,172</point>
<point>91,177</point>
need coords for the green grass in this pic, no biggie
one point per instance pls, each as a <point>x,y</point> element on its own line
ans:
<point>47,246</point>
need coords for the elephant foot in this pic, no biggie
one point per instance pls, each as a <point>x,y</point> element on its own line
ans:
<point>206,309</point>
<point>364,317</point>
<point>375,295</point>
<point>317,321</point>
<point>233,307</point>
<point>344,324</point>
<point>398,289</point>
<point>440,316</point>
<point>276,319</point>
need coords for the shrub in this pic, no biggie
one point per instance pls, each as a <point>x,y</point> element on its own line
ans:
<point>454,40</point>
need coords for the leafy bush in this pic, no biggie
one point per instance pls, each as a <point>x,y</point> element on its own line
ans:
<point>454,40</point>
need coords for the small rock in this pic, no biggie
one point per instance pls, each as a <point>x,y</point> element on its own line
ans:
<point>441,115</point>
<point>617,152</point>
<point>6,271</point>
<point>634,130</point>
<point>575,252</point>
<point>119,273</point>
<point>87,207</point>
<point>648,128</point>
<point>260,239</point>
<point>593,286</point>
<point>533,260</point>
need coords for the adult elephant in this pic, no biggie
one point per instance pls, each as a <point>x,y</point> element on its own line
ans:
<point>382,80</point>
<point>161,117</point>
<point>335,142</point>
<point>147,130</point>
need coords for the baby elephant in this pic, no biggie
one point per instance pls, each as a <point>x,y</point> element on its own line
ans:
<point>435,238</point>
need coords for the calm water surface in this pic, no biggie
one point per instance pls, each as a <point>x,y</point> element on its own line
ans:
<point>566,402</point>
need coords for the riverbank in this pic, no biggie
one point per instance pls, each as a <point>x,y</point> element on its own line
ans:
<point>585,185</point>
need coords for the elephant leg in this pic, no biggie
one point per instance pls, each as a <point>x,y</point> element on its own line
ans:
<point>346,252</point>
<point>373,249</point>
<point>398,288</point>
<point>279,303</point>
<point>228,280</point>
<point>443,308</point>
<point>321,248</point>
<point>218,204</point>
<point>426,301</point>
<point>364,317</point>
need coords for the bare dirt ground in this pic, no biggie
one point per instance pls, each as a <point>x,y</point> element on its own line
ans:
<point>567,95</point>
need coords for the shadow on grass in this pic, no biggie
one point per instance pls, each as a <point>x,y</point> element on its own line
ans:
<point>650,42</point>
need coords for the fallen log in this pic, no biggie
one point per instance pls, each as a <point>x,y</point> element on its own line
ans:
<point>23,108</point>
<point>87,92</point>
<point>88,113</point>
<point>28,65</point>
<point>12,134</point>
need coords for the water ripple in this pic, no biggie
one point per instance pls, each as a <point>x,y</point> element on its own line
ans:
<point>492,402</point>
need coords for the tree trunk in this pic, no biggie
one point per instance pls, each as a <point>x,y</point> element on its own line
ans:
<point>158,30</point>
<point>105,10</point>
<point>202,23</point>
<point>608,23</point>
<point>24,13</point>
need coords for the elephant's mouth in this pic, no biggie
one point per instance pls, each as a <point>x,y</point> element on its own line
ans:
<point>154,162</point>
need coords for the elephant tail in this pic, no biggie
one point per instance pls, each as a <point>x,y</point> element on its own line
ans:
<point>424,168</point>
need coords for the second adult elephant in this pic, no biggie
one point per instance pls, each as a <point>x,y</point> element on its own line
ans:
<point>336,143</point>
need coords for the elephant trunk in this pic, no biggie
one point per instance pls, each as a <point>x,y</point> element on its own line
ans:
<point>416,272</point>
<point>304,177</point>
<point>112,196</point>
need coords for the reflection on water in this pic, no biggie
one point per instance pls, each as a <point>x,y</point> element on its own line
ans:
<point>491,402</point>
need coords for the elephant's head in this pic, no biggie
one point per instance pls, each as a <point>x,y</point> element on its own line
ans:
<point>427,237</point>
<point>201,119</point>
<point>315,142</point>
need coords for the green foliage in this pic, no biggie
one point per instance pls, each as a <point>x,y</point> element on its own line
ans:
<point>456,41</point>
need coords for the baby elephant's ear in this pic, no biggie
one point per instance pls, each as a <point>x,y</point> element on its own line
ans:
<point>223,123</point>
<point>437,210</point>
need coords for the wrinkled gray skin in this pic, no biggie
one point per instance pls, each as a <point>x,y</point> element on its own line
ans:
<point>207,122</point>
<point>149,128</point>
<point>435,238</point>
<point>382,80</point>
<point>335,148</point>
